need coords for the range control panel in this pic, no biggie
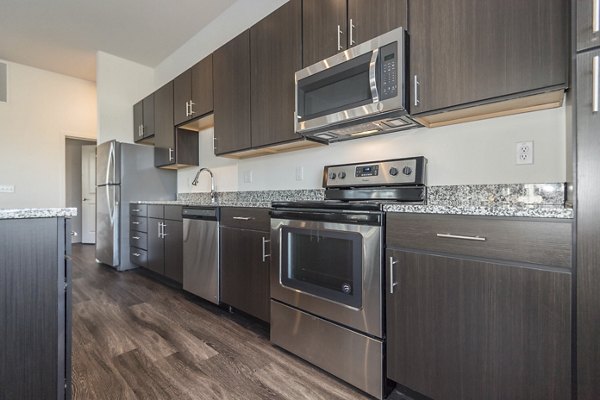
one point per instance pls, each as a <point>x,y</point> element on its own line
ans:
<point>399,172</point>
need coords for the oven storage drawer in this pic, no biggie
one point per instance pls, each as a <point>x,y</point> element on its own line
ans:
<point>138,256</point>
<point>246,218</point>
<point>537,241</point>
<point>351,356</point>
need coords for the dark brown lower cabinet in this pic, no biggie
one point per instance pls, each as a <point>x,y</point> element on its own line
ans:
<point>245,271</point>
<point>165,242</point>
<point>35,309</point>
<point>459,328</point>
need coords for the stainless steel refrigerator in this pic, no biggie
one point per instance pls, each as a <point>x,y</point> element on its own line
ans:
<point>124,173</point>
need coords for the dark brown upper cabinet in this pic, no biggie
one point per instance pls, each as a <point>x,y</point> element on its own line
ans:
<point>588,24</point>
<point>193,92</point>
<point>331,26</point>
<point>143,119</point>
<point>472,52</point>
<point>232,95</point>
<point>173,147</point>
<point>275,54</point>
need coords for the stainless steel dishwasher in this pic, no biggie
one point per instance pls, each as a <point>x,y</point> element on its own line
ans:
<point>201,252</point>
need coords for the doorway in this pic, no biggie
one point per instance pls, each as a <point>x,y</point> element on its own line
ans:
<point>80,184</point>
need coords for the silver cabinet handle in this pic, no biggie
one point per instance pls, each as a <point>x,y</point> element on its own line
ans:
<point>141,130</point>
<point>192,112</point>
<point>187,108</point>
<point>163,230</point>
<point>135,222</point>
<point>595,82</point>
<point>416,83</point>
<point>393,284</point>
<point>243,218</point>
<point>596,16</point>
<point>339,37</point>
<point>264,249</point>
<point>136,237</point>
<point>136,254</point>
<point>136,210</point>
<point>160,231</point>
<point>352,42</point>
<point>171,151</point>
<point>214,143</point>
<point>462,237</point>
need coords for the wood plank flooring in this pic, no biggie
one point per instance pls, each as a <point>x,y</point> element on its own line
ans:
<point>134,338</point>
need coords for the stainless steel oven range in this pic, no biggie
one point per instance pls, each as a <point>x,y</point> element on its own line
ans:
<point>327,276</point>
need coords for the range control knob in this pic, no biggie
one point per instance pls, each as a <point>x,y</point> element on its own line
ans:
<point>332,175</point>
<point>342,175</point>
<point>407,170</point>
<point>393,171</point>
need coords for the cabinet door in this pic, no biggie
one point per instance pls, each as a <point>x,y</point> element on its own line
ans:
<point>466,51</point>
<point>465,329</point>
<point>276,54</point>
<point>324,29</point>
<point>148,117</point>
<point>156,246</point>
<point>244,274</point>
<point>138,121</point>
<point>174,250</point>
<point>588,231</point>
<point>368,19</point>
<point>202,88</point>
<point>588,24</point>
<point>232,95</point>
<point>182,94</point>
<point>164,139</point>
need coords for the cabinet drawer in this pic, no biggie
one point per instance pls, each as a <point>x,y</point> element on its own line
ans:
<point>139,224</point>
<point>140,210</point>
<point>536,241</point>
<point>138,256</point>
<point>173,213</point>
<point>156,211</point>
<point>246,218</point>
<point>138,239</point>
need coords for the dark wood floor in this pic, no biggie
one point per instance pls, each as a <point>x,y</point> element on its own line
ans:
<point>134,338</point>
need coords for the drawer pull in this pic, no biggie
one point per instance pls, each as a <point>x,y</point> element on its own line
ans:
<point>136,237</point>
<point>136,210</point>
<point>136,254</point>
<point>393,283</point>
<point>243,218</point>
<point>450,236</point>
<point>135,222</point>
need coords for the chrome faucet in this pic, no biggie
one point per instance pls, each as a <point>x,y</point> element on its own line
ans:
<point>213,194</point>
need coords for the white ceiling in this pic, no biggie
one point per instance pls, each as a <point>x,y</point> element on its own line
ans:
<point>64,35</point>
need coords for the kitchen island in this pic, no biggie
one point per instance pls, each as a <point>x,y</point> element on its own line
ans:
<point>35,303</point>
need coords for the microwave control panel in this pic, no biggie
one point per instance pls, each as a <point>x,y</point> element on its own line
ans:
<point>389,70</point>
<point>405,171</point>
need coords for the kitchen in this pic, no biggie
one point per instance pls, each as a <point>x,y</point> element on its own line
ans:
<point>478,270</point>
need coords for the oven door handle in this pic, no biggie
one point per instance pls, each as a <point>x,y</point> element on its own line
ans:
<point>357,219</point>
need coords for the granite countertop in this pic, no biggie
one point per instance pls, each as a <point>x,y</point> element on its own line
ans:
<point>501,200</point>
<point>501,210</point>
<point>22,213</point>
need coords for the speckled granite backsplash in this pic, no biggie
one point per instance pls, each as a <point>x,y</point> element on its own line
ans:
<point>497,195</point>
<point>262,198</point>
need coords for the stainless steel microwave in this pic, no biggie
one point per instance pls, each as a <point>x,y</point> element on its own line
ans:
<point>356,93</point>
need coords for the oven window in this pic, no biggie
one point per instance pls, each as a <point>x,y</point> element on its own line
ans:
<point>323,263</point>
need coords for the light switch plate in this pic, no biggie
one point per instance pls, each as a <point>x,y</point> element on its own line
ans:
<point>247,176</point>
<point>7,188</point>
<point>299,173</point>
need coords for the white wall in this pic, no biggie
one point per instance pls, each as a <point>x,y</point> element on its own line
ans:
<point>121,83</point>
<point>42,109</point>
<point>477,152</point>
<point>471,153</point>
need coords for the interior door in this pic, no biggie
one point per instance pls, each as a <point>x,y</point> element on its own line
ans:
<point>88,194</point>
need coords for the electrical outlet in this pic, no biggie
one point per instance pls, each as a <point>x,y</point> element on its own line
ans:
<point>524,153</point>
<point>299,173</point>
<point>247,176</point>
<point>7,188</point>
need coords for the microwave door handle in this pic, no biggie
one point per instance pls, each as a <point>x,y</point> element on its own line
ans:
<point>373,76</point>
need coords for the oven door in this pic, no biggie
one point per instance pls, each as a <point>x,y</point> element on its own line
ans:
<point>329,268</point>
